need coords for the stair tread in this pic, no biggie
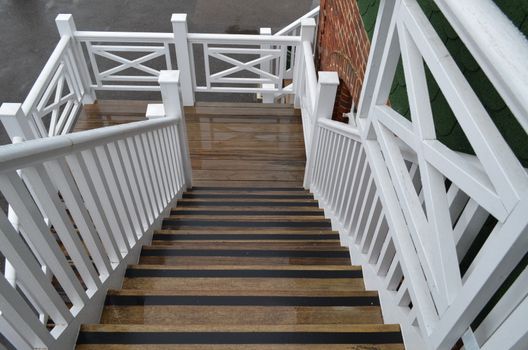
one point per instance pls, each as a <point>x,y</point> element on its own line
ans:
<point>249,267</point>
<point>248,218</point>
<point>251,246</point>
<point>313,328</point>
<point>253,230</point>
<point>242,292</point>
<point>240,210</point>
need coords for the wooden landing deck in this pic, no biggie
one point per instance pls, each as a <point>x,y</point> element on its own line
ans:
<point>231,144</point>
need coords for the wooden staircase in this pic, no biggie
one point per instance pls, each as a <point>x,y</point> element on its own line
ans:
<point>243,268</point>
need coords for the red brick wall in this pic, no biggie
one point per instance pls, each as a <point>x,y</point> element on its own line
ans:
<point>342,46</point>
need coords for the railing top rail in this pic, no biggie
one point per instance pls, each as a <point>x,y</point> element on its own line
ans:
<point>15,156</point>
<point>340,128</point>
<point>124,36</point>
<point>45,75</point>
<point>500,49</point>
<point>244,39</point>
<point>297,22</point>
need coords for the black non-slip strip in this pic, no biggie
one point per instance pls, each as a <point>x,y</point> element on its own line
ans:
<point>249,212</point>
<point>248,204</point>
<point>247,253</point>
<point>141,300</point>
<point>324,274</point>
<point>249,196</point>
<point>177,223</point>
<point>239,338</point>
<point>242,236</point>
<point>249,189</point>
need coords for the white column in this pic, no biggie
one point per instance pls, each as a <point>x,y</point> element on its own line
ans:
<point>266,66</point>
<point>66,27</point>
<point>179,27</point>
<point>307,34</point>
<point>16,123</point>
<point>324,105</point>
<point>169,81</point>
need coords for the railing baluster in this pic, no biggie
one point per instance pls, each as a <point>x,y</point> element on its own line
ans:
<point>353,163</point>
<point>146,158</point>
<point>124,182</point>
<point>14,190</point>
<point>60,173</point>
<point>143,178</point>
<point>167,162</point>
<point>130,169</point>
<point>338,164</point>
<point>30,274</point>
<point>152,158</point>
<point>102,158</point>
<point>95,171</point>
<point>162,166</point>
<point>94,206</point>
<point>22,320</point>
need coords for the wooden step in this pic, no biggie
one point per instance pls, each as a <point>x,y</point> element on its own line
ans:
<point>275,222</point>
<point>288,337</point>
<point>170,236</point>
<point>238,308</point>
<point>199,189</point>
<point>268,195</point>
<point>240,277</point>
<point>330,247</point>
<point>245,211</point>
<point>238,204</point>
<point>255,183</point>
<point>186,257</point>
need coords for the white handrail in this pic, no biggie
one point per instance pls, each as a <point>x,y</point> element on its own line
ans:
<point>297,23</point>
<point>125,36</point>
<point>491,38</point>
<point>244,39</point>
<point>13,156</point>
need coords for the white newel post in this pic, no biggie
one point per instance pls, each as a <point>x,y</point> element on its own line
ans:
<point>307,34</point>
<point>169,81</point>
<point>266,67</point>
<point>66,27</point>
<point>179,27</point>
<point>324,105</point>
<point>16,123</point>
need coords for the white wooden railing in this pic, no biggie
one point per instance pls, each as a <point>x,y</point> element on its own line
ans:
<point>80,208</point>
<point>246,56</point>
<point>409,208</point>
<point>85,62</point>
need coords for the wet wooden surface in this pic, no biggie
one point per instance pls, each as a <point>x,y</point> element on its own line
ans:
<point>231,144</point>
<point>247,259</point>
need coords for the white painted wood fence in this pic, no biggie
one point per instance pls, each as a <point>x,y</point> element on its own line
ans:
<point>409,208</point>
<point>101,193</point>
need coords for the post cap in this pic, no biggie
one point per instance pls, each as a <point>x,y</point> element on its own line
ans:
<point>64,17</point>
<point>308,22</point>
<point>155,110</point>
<point>265,31</point>
<point>10,109</point>
<point>169,76</point>
<point>179,17</point>
<point>328,78</point>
